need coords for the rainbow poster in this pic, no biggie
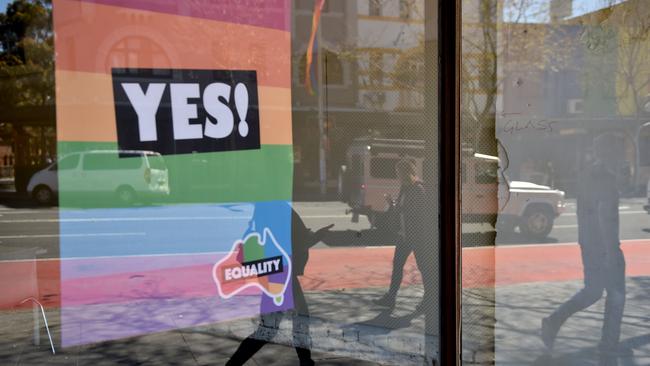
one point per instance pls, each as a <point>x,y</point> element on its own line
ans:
<point>175,163</point>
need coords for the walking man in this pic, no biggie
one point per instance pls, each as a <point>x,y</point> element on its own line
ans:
<point>598,236</point>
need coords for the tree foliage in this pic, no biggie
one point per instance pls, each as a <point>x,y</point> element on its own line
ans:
<point>26,54</point>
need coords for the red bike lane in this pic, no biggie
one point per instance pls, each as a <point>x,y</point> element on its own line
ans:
<point>328,269</point>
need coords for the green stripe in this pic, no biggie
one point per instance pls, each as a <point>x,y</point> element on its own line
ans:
<point>240,176</point>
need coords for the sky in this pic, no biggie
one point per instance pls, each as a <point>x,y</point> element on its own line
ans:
<point>3,5</point>
<point>537,12</point>
<point>586,6</point>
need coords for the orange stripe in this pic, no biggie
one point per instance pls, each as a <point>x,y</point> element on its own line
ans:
<point>85,109</point>
<point>96,38</point>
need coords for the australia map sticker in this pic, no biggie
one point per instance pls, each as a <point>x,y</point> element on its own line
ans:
<point>257,261</point>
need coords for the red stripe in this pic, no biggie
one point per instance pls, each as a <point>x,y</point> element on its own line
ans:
<point>261,13</point>
<point>96,38</point>
<point>328,269</point>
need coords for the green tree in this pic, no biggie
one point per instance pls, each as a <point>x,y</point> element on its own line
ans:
<point>26,54</point>
<point>27,85</point>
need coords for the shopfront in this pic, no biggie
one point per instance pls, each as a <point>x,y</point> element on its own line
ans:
<point>323,182</point>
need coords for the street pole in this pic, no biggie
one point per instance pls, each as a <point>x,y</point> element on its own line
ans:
<point>322,167</point>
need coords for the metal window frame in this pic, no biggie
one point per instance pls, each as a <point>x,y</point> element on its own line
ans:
<point>449,32</point>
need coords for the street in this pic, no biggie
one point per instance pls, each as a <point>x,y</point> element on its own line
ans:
<point>111,296</point>
<point>634,223</point>
<point>28,226</point>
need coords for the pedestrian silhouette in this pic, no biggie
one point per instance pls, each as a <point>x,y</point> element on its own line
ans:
<point>302,238</point>
<point>404,216</point>
<point>598,236</point>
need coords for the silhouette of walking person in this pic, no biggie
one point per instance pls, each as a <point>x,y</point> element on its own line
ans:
<point>302,239</point>
<point>602,258</point>
<point>409,226</point>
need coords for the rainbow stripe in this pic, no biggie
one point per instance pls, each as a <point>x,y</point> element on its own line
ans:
<point>213,201</point>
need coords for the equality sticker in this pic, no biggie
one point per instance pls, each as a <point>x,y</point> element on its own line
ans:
<point>256,261</point>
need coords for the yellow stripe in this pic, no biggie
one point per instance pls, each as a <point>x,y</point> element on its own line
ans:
<point>85,109</point>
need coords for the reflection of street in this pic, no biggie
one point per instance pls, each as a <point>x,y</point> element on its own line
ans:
<point>526,277</point>
<point>39,227</point>
<point>635,224</point>
<point>558,259</point>
<point>519,309</point>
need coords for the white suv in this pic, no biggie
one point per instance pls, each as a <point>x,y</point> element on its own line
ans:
<point>369,178</point>
<point>128,174</point>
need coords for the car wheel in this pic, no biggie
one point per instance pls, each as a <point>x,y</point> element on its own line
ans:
<point>43,195</point>
<point>536,223</point>
<point>126,195</point>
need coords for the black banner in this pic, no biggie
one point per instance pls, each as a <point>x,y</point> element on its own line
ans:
<point>174,111</point>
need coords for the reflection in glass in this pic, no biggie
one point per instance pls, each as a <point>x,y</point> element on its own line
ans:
<point>185,242</point>
<point>556,89</point>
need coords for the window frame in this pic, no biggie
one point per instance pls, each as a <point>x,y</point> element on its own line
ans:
<point>448,36</point>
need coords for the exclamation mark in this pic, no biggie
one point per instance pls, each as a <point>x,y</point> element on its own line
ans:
<point>241,104</point>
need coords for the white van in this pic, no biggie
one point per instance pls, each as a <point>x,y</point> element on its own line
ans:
<point>129,175</point>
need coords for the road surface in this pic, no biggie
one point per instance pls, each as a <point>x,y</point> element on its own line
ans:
<point>28,226</point>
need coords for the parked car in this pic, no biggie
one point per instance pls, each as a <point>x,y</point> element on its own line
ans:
<point>128,175</point>
<point>368,181</point>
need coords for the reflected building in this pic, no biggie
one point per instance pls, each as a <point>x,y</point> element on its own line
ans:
<point>582,75</point>
<point>372,72</point>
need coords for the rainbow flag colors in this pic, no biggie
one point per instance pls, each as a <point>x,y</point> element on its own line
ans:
<point>119,263</point>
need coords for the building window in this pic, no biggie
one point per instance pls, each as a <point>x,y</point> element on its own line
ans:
<point>405,9</point>
<point>376,69</point>
<point>374,8</point>
<point>134,50</point>
<point>333,69</point>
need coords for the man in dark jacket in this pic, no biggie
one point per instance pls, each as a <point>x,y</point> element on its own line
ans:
<point>410,225</point>
<point>598,236</point>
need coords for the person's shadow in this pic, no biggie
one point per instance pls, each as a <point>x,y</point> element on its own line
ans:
<point>384,323</point>
<point>361,238</point>
<point>302,239</point>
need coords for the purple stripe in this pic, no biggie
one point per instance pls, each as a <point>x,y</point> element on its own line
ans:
<point>103,322</point>
<point>261,13</point>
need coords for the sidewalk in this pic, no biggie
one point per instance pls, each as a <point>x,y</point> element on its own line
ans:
<point>346,327</point>
<point>365,338</point>
<point>518,310</point>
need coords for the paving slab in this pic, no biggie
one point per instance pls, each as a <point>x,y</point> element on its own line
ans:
<point>518,310</point>
<point>346,328</point>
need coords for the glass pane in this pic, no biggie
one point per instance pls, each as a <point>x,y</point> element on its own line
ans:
<point>555,94</point>
<point>234,175</point>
